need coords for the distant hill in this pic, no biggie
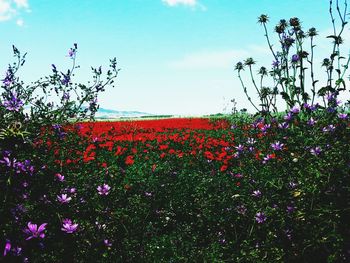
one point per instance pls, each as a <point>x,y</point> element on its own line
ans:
<point>112,114</point>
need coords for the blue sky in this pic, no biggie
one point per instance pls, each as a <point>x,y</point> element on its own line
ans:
<point>176,56</point>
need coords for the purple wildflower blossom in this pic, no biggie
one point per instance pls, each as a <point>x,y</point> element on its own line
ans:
<point>68,226</point>
<point>283,125</point>
<point>315,151</point>
<point>6,161</point>
<point>251,141</point>
<point>241,209</point>
<point>59,177</point>
<point>240,148</point>
<point>14,103</point>
<point>104,189</point>
<point>34,231</point>
<point>295,58</point>
<point>256,193</point>
<point>342,116</point>
<point>277,146</point>
<point>288,117</point>
<point>260,217</point>
<point>311,122</point>
<point>9,78</point>
<point>329,128</point>
<point>7,247</point>
<point>64,199</point>
<point>290,208</point>
<point>275,63</point>
<point>295,110</point>
<point>107,243</point>
<point>71,53</point>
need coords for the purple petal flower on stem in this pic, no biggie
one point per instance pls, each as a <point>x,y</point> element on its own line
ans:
<point>6,161</point>
<point>59,177</point>
<point>260,217</point>
<point>240,148</point>
<point>68,226</point>
<point>295,58</point>
<point>277,146</point>
<point>256,193</point>
<point>290,209</point>
<point>342,116</point>
<point>315,151</point>
<point>295,110</point>
<point>104,189</point>
<point>71,53</point>
<point>64,199</point>
<point>34,231</point>
<point>7,247</point>
<point>14,103</point>
<point>288,117</point>
<point>275,63</point>
<point>311,122</point>
<point>107,243</point>
<point>329,128</point>
<point>251,141</point>
<point>283,125</point>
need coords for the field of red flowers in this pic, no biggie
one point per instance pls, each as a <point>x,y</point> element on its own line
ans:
<point>139,139</point>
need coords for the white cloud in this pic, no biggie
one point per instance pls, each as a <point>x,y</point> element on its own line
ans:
<point>20,22</point>
<point>11,8</point>
<point>21,3</point>
<point>180,2</point>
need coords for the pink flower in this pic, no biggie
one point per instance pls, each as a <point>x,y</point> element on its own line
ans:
<point>104,189</point>
<point>68,226</point>
<point>34,231</point>
<point>64,199</point>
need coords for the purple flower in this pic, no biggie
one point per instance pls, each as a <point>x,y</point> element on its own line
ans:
<point>65,96</point>
<point>342,116</point>
<point>59,177</point>
<point>73,190</point>
<point>14,103</point>
<point>68,226</point>
<point>292,185</point>
<point>66,79</point>
<point>311,122</point>
<point>241,209</point>
<point>34,231</point>
<point>329,128</point>
<point>277,146</point>
<point>268,157</point>
<point>6,161</point>
<point>9,79</point>
<point>275,63</point>
<point>71,52</point>
<point>295,110</point>
<point>7,247</point>
<point>240,148</point>
<point>290,208</point>
<point>107,243</point>
<point>283,125</point>
<point>104,189</point>
<point>315,151</point>
<point>64,199</point>
<point>295,58</point>
<point>260,217</point>
<point>256,193</point>
<point>251,141</point>
<point>288,117</point>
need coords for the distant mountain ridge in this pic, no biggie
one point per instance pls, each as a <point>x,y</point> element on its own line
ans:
<point>103,113</point>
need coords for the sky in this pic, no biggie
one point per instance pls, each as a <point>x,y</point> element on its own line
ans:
<point>176,56</point>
